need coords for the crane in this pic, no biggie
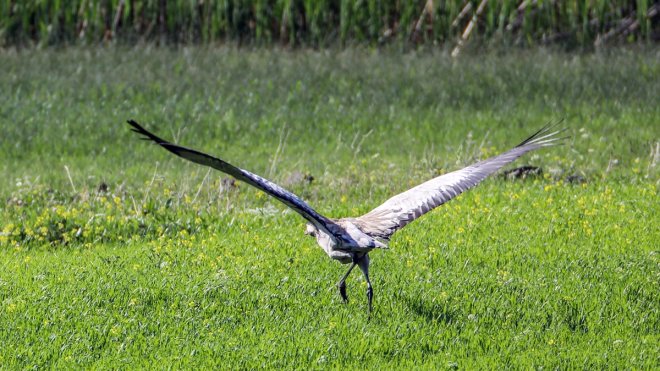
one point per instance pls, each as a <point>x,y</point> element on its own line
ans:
<point>349,240</point>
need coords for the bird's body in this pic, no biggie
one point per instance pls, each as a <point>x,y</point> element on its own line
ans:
<point>353,243</point>
<point>349,240</point>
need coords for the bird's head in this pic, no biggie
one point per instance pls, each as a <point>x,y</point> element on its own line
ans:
<point>311,230</point>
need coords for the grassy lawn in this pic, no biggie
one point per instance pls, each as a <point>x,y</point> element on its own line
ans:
<point>116,254</point>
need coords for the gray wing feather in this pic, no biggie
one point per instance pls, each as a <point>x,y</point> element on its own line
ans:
<point>403,208</point>
<point>274,190</point>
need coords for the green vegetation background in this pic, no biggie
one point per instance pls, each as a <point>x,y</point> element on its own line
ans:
<point>116,254</point>
<point>322,23</point>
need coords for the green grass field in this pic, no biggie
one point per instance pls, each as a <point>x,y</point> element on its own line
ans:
<point>116,254</point>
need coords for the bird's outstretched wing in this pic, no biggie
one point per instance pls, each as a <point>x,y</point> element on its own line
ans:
<point>403,208</point>
<point>281,194</point>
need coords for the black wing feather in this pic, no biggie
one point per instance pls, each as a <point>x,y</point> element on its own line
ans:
<point>274,190</point>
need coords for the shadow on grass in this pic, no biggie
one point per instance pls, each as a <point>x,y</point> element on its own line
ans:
<point>431,311</point>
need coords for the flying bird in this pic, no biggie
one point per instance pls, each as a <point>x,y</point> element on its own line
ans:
<point>349,240</point>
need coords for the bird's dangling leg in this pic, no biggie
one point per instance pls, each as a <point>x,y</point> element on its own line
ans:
<point>363,263</point>
<point>342,283</point>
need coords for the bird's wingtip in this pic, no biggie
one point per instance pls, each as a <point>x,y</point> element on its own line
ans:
<point>136,127</point>
<point>547,135</point>
<point>146,134</point>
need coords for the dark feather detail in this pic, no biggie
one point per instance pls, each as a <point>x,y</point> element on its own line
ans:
<point>274,190</point>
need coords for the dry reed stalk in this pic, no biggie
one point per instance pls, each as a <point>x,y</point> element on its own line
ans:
<point>468,29</point>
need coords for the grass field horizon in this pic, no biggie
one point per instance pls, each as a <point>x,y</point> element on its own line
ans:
<point>115,253</point>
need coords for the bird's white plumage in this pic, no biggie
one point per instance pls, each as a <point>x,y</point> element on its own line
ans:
<point>405,207</point>
<point>339,237</point>
<point>349,240</point>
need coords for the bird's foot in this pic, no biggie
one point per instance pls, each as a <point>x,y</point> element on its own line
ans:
<point>370,296</point>
<point>342,291</point>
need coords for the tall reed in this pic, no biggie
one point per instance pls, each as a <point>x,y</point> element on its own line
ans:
<point>319,23</point>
